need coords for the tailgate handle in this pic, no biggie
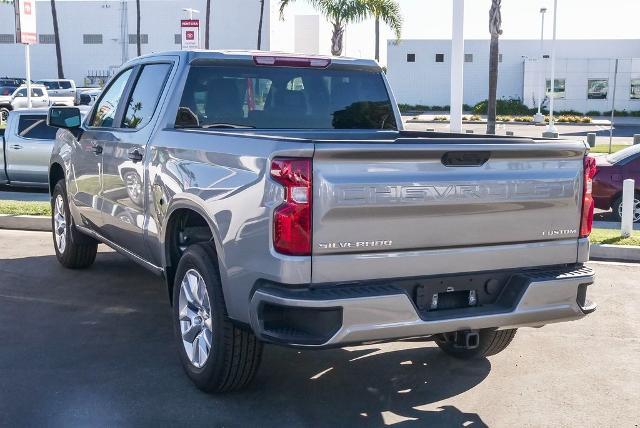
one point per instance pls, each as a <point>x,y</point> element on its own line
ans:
<point>465,158</point>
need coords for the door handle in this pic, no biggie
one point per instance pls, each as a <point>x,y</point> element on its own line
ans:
<point>135,156</point>
<point>97,149</point>
<point>16,147</point>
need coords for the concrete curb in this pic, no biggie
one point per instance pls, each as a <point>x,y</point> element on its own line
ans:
<point>626,253</point>
<point>25,222</point>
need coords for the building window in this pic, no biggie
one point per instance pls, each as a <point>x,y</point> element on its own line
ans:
<point>411,57</point>
<point>133,39</point>
<point>92,39</point>
<point>499,57</point>
<point>635,89</point>
<point>439,57</point>
<point>46,39</point>
<point>468,57</point>
<point>558,88</point>
<point>597,89</point>
<point>177,39</point>
<point>7,38</point>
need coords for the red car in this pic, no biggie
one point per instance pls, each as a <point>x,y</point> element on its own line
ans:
<point>607,183</point>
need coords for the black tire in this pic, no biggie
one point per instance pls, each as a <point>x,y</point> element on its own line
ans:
<point>79,250</point>
<point>490,343</point>
<point>235,354</point>
<point>617,211</point>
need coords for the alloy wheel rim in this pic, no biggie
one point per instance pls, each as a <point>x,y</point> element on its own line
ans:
<point>636,210</point>
<point>60,224</point>
<point>196,324</point>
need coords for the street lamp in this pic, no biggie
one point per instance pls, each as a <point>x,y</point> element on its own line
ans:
<point>538,117</point>
<point>551,130</point>
<point>190,11</point>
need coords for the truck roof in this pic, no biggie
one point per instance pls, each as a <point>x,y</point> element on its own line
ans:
<point>232,54</point>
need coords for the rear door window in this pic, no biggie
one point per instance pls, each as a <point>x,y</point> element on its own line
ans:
<point>145,95</point>
<point>35,127</point>
<point>65,84</point>
<point>284,97</point>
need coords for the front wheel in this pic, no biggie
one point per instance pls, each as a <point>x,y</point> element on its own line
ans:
<point>4,114</point>
<point>617,209</point>
<point>217,355</point>
<point>73,249</point>
<point>490,342</point>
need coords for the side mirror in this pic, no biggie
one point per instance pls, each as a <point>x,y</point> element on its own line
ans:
<point>64,117</point>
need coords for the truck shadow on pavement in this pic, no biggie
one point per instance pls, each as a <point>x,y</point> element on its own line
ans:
<point>95,347</point>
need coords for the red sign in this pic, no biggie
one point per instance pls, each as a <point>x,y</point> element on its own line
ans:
<point>190,33</point>
<point>25,11</point>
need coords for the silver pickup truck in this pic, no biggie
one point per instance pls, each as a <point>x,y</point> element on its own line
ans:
<point>282,202</point>
<point>27,142</point>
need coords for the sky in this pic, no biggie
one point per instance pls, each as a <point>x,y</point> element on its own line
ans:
<point>431,19</point>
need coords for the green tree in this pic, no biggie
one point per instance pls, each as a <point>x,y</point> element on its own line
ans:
<point>389,12</point>
<point>56,37</point>
<point>342,12</point>
<point>138,46</point>
<point>495,28</point>
<point>206,24</point>
<point>260,24</point>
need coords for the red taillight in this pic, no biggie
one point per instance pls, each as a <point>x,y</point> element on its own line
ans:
<point>587,197</point>
<point>292,219</point>
<point>291,61</point>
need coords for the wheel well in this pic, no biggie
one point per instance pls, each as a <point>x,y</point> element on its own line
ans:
<point>185,227</point>
<point>56,173</point>
<point>7,106</point>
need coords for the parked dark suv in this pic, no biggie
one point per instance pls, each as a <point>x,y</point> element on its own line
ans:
<point>612,170</point>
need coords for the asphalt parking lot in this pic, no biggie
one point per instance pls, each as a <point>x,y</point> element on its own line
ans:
<point>95,348</point>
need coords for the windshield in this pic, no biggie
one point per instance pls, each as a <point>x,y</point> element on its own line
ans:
<point>284,98</point>
<point>7,90</point>
<point>623,154</point>
<point>49,84</point>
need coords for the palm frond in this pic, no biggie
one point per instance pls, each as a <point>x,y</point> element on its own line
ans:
<point>389,12</point>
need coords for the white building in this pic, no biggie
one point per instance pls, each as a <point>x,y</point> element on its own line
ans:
<point>98,36</point>
<point>419,72</point>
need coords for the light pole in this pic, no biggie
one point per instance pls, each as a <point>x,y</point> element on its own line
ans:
<point>190,11</point>
<point>457,67</point>
<point>551,130</point>
<point>538,117</point>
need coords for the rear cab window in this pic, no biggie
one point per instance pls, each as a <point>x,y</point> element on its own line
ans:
<point>264,97</point>
<point>35,127</point>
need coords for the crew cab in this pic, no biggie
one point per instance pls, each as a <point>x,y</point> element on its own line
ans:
<point>282,202</point>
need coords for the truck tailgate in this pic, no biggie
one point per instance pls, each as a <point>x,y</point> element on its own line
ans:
<point>396,201</point>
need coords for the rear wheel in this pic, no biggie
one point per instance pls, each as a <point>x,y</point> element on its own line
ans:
<point>217,355</point>
<point>617,209</point>
<point>490,342</point>
<point>74,250</point>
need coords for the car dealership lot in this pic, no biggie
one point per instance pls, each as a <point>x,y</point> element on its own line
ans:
<point>94,348</point>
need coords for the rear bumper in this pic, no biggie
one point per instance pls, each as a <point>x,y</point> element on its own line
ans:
<point>330,316</point>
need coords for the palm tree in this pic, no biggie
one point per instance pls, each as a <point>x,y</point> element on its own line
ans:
<point>260,24</point>
<point>495,28</point>
<point>138,47</point>
<point>206,24</point>
<point>342,12</point>
<point>389,12</point>
<point>56,37</point>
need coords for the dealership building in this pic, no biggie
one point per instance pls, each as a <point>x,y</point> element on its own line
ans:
<point>97,37</point>
<point>419,72</point>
